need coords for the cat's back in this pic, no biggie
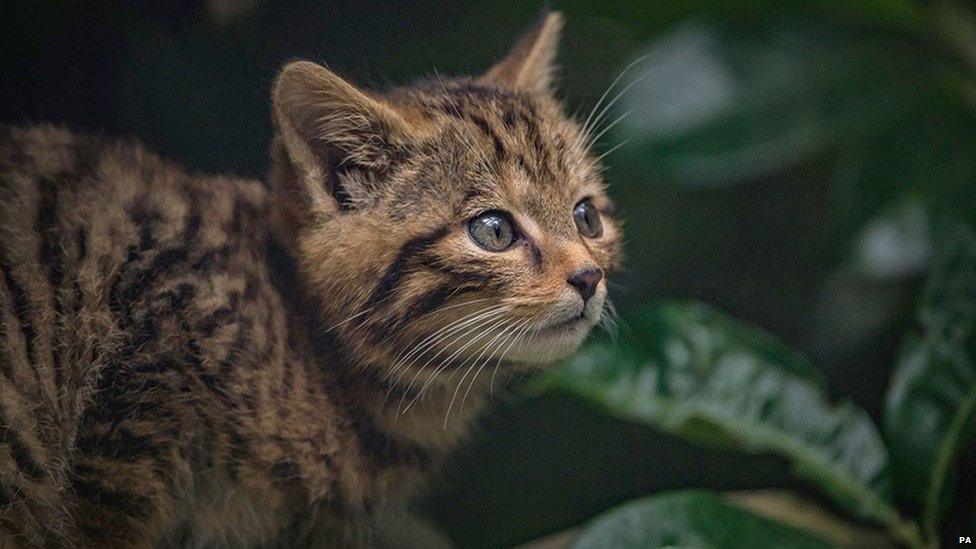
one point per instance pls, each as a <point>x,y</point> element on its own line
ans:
<point>96,227</point>
<point>102,241</point>
<point>57,186</point>
<point>127,283</point>
<point>52,178</point>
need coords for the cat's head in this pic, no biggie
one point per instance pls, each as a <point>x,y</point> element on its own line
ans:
<point>449,222</point>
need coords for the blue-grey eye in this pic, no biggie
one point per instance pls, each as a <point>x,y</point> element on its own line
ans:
<point>492,231</point>
<point>587,219</point>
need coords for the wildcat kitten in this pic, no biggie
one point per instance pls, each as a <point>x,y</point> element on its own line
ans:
<point>192,360</point>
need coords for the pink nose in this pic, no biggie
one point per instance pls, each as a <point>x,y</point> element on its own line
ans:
<point>585,281</point>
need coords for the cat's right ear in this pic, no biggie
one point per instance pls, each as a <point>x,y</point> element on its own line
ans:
<point>328,127</point>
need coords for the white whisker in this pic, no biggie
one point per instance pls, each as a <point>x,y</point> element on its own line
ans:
<point>595,138</point>
<point>353,317</point>
<point>512,336</point>
<point>406,353</point>
<point>473,364</point>
<point>615,147</point>
<point>446,362</point>
<point>585,129</point>
<point>444,331</point>
<point>612,102</point>
<point>517,340</point>
<point>489,314</point>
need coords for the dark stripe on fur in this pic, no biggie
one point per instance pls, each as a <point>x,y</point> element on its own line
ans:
<point>121,298</point>
<point>20,306</point>
<point>6,361</point>
<point>119,444</point>
<point>397,268</point>
<point>21,454</point>
<point>127,503</point>
<point>485,127</point>
<point>52,255</point>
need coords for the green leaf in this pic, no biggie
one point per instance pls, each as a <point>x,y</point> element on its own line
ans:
<point>716,102</point>
<point>890,187</point>
<point>930,412</point>
<point>692,371</point>
<point>689,519</point>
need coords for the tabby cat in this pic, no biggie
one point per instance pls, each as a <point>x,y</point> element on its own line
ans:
<point>201,361</point>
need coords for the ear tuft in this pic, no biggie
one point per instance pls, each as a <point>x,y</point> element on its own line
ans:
<point>530,65</point>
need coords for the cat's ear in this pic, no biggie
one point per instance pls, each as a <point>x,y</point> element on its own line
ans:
<point>329,127</point>
<point>530,65</point>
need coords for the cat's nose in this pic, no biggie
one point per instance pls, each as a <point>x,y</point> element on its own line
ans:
<point>585,281</point>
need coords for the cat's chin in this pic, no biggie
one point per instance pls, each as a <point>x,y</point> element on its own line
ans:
<point>553,343</point>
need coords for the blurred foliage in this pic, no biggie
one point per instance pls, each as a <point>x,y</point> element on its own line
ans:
<point>807,166</point>
<point>885,96</point>
<point>693,372</point>
<point>930,415</point>
<point>689,519</point>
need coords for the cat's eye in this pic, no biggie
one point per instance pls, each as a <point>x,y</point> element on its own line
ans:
<point>587,219</point>
<point>492,231</point>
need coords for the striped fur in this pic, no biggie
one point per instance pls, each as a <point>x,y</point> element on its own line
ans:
<point>198,361</point>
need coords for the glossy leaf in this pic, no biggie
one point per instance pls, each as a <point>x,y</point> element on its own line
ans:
<point>692,371</point>
<point>689,519</point>
<point>715,102</point>
<point>930,413</point>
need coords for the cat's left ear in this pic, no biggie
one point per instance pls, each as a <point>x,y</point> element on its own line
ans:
<point>530,66</point>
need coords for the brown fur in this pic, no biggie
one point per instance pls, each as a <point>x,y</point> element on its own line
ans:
<point>187,360</point>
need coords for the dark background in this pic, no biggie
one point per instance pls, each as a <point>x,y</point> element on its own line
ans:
<point>765,239</point>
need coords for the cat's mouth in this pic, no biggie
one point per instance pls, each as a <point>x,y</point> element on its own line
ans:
<point>555,339</point>
<point>568,323</point>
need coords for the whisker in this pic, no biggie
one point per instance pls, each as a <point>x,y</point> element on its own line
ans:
<point>610,320</point>
<point>420,370</point>
<point>596,138</point>
<point>493,312</point>
<point>432,338</point>
<point>518,339</point>
<point>585,129</point>
<point>353,317</point>
<point>510,336</point>
<point>444,363</point>
<point>616,98</point>
<point>401,356</point>
<point>474,363</point>
<point>615,147</point>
